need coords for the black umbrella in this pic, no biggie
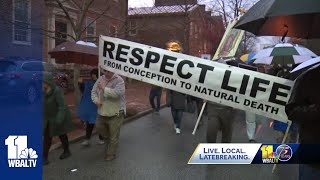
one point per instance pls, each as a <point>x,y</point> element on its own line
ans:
<point>293,18</point>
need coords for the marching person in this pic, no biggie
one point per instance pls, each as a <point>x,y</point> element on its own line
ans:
<point>87,111</point>
<point>251,126</point>
<point>155,92</point>
<point>281,127</point>
<point>108,93</point>
<point>176,100</point>
<point>303,108</point>
<point>252,118</point>
<point>56,118</point>
<point>219,117</point>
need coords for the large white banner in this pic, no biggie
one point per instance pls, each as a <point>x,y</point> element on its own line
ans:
<point>232,86</point>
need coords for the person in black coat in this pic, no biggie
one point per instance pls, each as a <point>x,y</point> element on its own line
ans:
<point>304,109</point>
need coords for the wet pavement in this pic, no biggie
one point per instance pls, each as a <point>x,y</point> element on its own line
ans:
<point>150,150</point>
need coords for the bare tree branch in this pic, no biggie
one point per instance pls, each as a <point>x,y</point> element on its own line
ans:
<point>75,3</point>
<point>67,14</point>
<point>95,19</point>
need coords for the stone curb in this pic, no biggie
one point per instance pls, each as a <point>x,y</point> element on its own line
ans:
<point>82,135</point>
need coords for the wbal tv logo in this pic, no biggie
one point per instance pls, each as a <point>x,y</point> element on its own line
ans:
<point>19,155</point>
<point>282,153</point>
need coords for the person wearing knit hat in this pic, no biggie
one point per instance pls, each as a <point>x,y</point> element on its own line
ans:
<point>56,118</point>
<point>176,100</point>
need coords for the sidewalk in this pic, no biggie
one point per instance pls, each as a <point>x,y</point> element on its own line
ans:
<point>137,97</point>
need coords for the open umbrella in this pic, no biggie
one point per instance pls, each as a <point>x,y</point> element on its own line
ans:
<point>283,54</point>
<point>246,58</point>
<point>293,18</point>
<point>307,64</point>
<point>76,52</point>
<point>304,66</point>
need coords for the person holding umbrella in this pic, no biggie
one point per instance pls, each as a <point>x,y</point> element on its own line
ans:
<point>56,118</point>
<point>87,110</point>
<point>304,109</point>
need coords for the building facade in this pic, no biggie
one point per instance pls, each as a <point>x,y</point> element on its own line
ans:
<point>102,18</point>
<point>20,29</point>
<point>198,31</point>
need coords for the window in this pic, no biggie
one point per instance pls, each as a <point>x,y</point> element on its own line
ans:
<point>91,29</point>
<point>113,31</point>
<point>21,21</point>
<point>205,46</point>
<point>133,28</point>
<point>196,35</point>
<point>60,32</point>
<point>191,28</point>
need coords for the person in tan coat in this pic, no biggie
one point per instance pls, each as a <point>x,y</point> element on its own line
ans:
<point>108,93</point>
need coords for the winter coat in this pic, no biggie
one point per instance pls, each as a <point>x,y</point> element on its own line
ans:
<point>87,110</point>
<point>56,115</point>
<point>176,100</point>
<point>112,97</point>
<point>212,106</point>
<point>304,105</point>
<point>156,88</point>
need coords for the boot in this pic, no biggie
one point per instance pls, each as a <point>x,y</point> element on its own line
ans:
<point>65,154</point>
<point>110,157</point>
<point>65,144</point>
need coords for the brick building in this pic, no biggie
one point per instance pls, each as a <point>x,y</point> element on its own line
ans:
<point>182,20</point>
<point>20,28</point>
<point>104,17</point>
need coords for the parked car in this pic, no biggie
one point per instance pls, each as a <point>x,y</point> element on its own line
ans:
<point>21,77</point>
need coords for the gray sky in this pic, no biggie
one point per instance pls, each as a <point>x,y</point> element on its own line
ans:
<point>141,3</point>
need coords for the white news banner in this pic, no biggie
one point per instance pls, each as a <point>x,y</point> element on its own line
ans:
<point>259,93</point>
<point>224,153</point>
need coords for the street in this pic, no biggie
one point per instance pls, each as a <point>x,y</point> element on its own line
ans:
<point>150,149</point>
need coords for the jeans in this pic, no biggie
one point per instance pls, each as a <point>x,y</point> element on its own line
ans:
<point>251,124</point>
<point>155,94</point>
<point>307,172</point>
<point>177,116</point>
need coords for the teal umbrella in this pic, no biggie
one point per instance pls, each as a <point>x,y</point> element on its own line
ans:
<point>293,18</point>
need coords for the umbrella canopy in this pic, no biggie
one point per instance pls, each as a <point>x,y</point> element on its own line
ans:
<point>299,70</point>
<point>76,52</point>
<point>294,18</point>
<point>306,65</point>
<point>283,54</point>
<point>246,58</point>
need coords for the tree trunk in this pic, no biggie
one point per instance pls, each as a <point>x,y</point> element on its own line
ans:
<point>76,76</point>
<point>187,35</point>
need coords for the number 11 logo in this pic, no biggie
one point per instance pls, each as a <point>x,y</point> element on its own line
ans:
<point>16,144</point>
<point>19,155</point>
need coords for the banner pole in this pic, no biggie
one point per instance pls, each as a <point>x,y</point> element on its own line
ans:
<point>283,141</point>
<point>198,120</point>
